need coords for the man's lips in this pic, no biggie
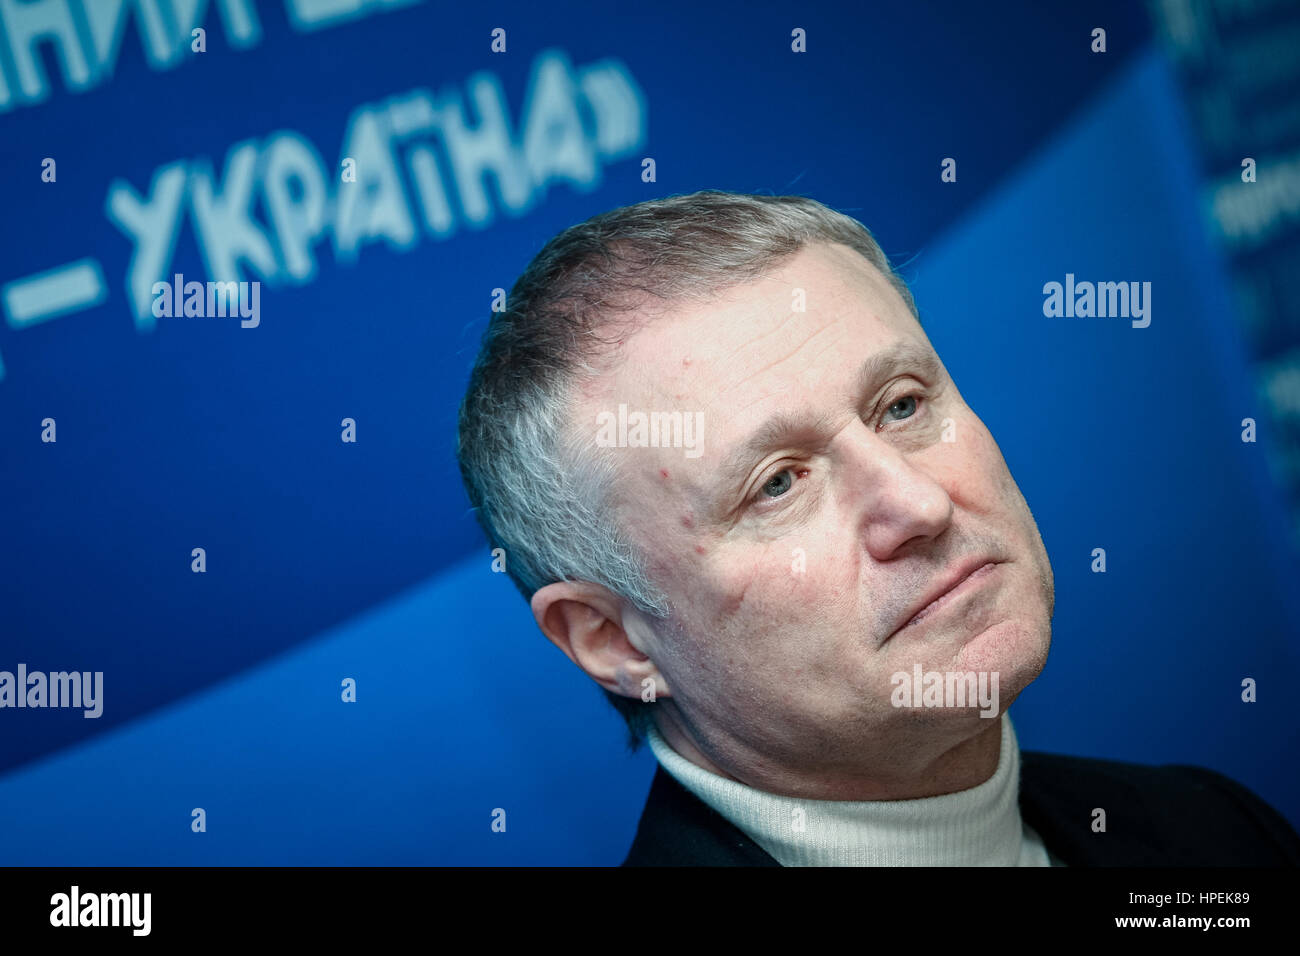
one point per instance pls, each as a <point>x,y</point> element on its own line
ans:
<point>963,574</point>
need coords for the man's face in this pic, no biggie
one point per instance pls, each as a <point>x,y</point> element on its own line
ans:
<point>842,480</point>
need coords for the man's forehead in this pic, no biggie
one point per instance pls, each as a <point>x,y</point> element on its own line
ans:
<point>695,351</point>
<point>726,366</point>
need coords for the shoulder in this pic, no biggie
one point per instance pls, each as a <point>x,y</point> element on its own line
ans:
<point>1150,815</point>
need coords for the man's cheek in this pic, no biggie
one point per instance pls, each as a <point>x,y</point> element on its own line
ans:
<point>989,454</point>
<point>981,466</point>
<point>793,583</point>
<point>727,589</point>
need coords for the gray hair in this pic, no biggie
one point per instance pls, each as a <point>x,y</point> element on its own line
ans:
<point>539,492</point>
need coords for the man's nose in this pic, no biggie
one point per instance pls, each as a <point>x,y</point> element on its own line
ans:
<point>899,501</point>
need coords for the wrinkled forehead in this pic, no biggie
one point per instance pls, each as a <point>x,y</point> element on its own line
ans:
<point>686,385</point>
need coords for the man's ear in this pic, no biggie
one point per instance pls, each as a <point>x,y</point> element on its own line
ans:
<point>588,623</point>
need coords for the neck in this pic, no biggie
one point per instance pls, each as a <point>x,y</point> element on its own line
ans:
<point>926,768</point>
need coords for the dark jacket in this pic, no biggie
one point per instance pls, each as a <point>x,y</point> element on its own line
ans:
<point>1155,816</point>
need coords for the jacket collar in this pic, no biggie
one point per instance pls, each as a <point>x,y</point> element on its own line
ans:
<point>677,828</point>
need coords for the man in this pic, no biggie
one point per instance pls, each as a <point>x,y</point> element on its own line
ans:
<point>742,493</point>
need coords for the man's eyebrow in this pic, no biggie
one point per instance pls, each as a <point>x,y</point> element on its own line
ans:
<point>900,355</point>
<point>783,427</point>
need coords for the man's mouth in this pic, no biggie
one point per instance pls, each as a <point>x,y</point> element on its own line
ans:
<point>965,577</point>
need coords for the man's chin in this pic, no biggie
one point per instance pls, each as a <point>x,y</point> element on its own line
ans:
<point>995,662</point>
<point>1016,650</point>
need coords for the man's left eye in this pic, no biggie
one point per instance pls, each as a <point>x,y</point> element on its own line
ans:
<point>906,407</point>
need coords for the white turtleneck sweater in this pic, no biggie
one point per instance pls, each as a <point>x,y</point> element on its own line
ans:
<point>980,826</point>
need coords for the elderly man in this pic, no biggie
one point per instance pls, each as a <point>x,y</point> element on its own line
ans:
<point>742,493</point>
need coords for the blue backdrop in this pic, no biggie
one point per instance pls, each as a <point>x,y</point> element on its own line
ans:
<point>129,156</point>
